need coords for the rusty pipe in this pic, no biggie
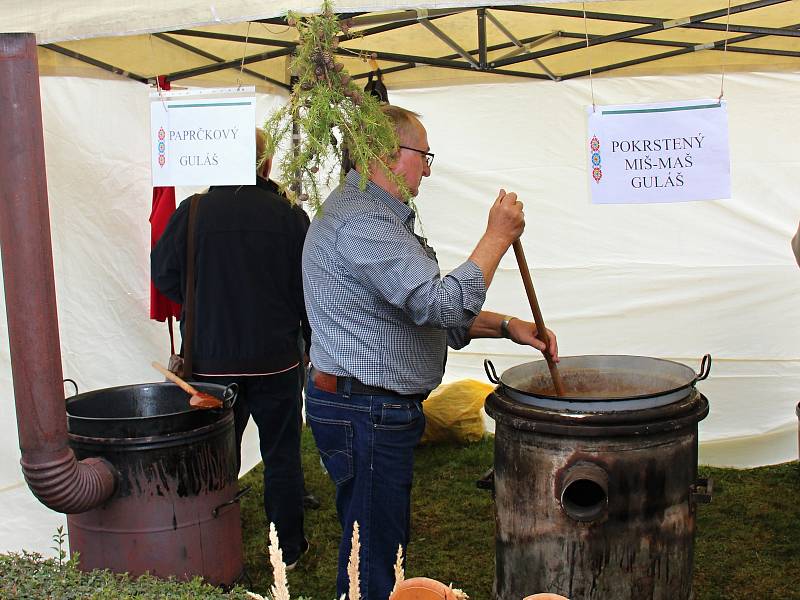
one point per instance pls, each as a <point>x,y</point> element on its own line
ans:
<point>51,470</point>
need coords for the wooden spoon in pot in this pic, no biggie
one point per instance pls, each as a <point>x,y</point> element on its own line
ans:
<point>198,399</point>
<point>541,330</point>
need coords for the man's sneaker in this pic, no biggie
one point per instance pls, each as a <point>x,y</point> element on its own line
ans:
<point>290,566</point>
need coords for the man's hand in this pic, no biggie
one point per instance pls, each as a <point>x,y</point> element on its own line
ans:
<point>506,219</point>
<point>524,332</point>
<point>506,224</point>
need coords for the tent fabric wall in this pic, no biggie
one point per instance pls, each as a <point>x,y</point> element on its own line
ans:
<point>674,281</point>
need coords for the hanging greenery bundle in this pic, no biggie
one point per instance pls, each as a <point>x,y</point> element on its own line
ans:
<point>328,112</point>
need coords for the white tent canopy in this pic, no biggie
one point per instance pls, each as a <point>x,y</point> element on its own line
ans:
<point>674,281</point>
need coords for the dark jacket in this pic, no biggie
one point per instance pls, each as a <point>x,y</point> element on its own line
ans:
<point>249,305</point>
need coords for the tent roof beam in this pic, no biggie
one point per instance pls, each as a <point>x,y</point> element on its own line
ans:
<point>481,13</point>
<point>520,46</point>
<point>217,59</point>
<point>94,62</point>
<point>449,42</point>
<point>409,16</point>
<point>718,45</point>
<point>229,37</point>
<point>685,49</point>
<point>604,16</point>
<point>446,63</point>
<point>654,25</point>
<point>236,62</point>
<point>501,46</point>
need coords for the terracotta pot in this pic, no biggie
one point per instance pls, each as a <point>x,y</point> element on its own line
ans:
<point>422,588</point>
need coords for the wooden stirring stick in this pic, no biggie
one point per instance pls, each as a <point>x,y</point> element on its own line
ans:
<point>541,330</point>
<point>198,399</point>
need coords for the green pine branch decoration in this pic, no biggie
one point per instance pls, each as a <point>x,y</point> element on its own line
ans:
<point>329,112</point>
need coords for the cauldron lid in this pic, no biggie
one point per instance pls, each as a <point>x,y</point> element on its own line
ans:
<point>603,382</point>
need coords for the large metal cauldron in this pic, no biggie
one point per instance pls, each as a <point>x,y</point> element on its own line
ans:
<point>595,492</point>
<point>175,510</point>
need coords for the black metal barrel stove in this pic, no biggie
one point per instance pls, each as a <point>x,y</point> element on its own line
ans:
<point>175,509</point>
<point>596,490</point>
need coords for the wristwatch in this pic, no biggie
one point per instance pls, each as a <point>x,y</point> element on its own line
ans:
<point>504,326</point>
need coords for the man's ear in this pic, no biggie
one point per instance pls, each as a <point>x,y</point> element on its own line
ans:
<point>392,160</point>
<point>266,167</point>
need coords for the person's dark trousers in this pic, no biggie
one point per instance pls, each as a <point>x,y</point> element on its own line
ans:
<point>272,402</point>
<point>367,445</point>
<point>310,501</point>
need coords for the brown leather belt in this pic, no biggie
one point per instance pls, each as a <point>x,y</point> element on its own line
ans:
<point>337,384</point>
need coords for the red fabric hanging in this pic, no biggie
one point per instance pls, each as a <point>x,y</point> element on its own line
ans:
<point>161,307</point>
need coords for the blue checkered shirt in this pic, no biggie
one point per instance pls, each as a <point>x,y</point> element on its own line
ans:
<point>379,309</point>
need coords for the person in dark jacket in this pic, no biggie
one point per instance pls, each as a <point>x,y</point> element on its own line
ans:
<point>249,313</point>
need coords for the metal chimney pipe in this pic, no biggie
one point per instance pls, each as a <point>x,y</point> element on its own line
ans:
<point>53,473</point>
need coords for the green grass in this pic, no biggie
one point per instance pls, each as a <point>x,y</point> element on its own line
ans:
<point>747,546</point>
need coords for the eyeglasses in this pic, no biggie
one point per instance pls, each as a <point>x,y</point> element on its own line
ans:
<point>428,155</point>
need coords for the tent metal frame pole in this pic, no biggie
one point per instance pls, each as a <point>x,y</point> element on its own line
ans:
<point>622,18</point>
<point>230,37</point>
<point>767,51</point>
<point>688,48</point>
<point>605,39</point>
<point>564,12</point>
<point>227,64</point>
<point>654,26</point>
<point>449,42</point>
<point>494,47</point>
<point>383,28</point>
<point>528,46</point>
<point>170,40</point>
<point>718,45</point>
<point>95,63</point>
<point>765,31</point>
<point>407,15</point>
<point>627,63</point>
<point>481,12</point>
<point>520,46</point>
<point>282,20</point>
<point>419,60</point>
<point>443,63</point>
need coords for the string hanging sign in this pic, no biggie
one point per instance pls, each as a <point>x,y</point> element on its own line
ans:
<point>203,137</point>
<point>666,152</point>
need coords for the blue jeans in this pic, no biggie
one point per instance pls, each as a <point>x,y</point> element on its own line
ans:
<point>367,445</point>
<point>272,401</point>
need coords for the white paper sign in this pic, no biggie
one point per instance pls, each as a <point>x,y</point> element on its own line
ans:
<point>204,137</point>
<point>670,152</point>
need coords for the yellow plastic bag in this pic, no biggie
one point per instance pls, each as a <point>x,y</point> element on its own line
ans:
<point>453,412</point>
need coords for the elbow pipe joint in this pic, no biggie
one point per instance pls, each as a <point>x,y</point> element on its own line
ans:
<point>66,485</point>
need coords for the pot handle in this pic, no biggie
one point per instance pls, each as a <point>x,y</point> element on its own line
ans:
<point>486,482</point>
<point>234,500</point>
<point>705,367</point>
<point>75,385</point>
<point>702,490</point>
<point>490,372</point>
<point>229,395</point>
